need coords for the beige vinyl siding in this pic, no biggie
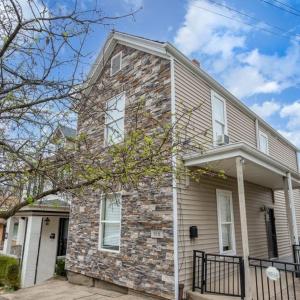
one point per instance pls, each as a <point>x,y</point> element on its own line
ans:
<point>197,206</point>
<point>192,91</point>
<point>193,94</point>
<point>280,150</point>
<point>297,207</point>
<point>282,229</point>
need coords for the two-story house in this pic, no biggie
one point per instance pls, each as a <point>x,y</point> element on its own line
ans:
<point>203,235</point>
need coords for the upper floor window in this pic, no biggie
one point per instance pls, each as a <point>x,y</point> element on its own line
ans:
<point>225,222</point>
<point>263,142</point>
<point>219,121</point>
<point>116,64</point>
<point>114,121</point>
<point>110,222</point>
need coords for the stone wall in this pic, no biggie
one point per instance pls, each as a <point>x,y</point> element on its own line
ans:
<point>145,264</point>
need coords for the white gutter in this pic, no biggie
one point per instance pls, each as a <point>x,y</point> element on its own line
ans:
<point>174,186</point>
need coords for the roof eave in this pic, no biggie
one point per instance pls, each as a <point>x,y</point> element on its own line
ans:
<point>241,147</point>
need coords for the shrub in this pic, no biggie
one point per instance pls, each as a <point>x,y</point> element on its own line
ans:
<point>60,267</point>
<point>12,277</point>
<point>9,272</point>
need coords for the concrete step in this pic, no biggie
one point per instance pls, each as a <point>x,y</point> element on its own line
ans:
<point>197,296</point>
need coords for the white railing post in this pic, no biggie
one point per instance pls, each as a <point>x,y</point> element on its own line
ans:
<point>290,208</point>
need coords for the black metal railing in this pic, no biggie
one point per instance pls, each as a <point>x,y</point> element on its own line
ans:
<point>296,254</point>
<point>281,288</point>
<point>218,274</point>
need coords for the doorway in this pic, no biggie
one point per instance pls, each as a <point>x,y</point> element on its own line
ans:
<point>62,236</point>
<point>271,232</point>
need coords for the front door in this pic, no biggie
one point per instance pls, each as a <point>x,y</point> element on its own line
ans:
<point>63,236</point>
<point>271,233</point>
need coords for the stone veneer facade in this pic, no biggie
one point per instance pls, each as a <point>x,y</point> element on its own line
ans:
<point>144,264</point>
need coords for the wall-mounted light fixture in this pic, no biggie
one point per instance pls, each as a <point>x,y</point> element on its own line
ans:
<point>263,208</point>
<point>47,221</point>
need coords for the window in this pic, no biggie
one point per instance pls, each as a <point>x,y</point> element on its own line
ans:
<point>263,143</point>
<point>110,222</point>
<point>116,64</point>
<point>218,116</point>
<point>225,222</point>
<point>15,231</point>
<point>114,122</point>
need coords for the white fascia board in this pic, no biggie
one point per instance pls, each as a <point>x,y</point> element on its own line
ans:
<point>145,45</point>
<point>245,151</point>
<point>200,72</point>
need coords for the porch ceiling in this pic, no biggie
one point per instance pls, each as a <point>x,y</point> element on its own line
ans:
<point>259,168</point>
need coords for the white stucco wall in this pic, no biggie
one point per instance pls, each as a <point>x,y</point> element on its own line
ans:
<point>48,250</point>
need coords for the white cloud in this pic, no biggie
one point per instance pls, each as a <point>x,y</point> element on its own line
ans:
<point>210,33</point>
<point>221,44</point>
<point>247,81</point>
<point>292,135</point>
<point>266,109</point>
<point>292,112</point>
<point>135,4</point>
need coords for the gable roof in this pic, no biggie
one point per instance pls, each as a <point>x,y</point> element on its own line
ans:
<point>68,132</point>
<point>168,51</point>
<point>65,131</point>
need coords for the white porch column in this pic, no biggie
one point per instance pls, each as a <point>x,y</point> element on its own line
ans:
<point>244,229</point>
<point>290,208</point>
<point>31,251</point>
<point>8,235</point>
<point>21,231</point>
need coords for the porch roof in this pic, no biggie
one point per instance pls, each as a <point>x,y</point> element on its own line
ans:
<point>259,168</point>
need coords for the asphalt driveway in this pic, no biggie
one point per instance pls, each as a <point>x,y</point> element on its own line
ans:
<point>63,290</point>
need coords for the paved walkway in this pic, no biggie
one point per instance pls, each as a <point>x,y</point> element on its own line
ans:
<point>63,290</point>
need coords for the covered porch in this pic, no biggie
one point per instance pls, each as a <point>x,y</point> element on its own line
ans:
<point>259,190</point>
<point>37,235</point>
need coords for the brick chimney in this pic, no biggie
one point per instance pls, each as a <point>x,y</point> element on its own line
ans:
<point>196,62</point>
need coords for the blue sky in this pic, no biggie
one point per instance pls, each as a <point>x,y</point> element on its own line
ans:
<point>259,67</point>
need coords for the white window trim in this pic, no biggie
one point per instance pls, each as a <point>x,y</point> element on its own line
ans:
<point>121,59</point>
<point>261,133</point>
<point>213,96</point>
<point>106,144</point>
<point>102,221</point>
<point>229,193</point>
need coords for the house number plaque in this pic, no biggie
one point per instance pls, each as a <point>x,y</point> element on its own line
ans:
<point>157,234</point>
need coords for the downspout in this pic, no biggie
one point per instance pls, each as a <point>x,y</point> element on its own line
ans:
<point>174,184</point>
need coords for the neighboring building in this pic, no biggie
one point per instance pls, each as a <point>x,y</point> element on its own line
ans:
<point>37,234</point>
<point>7,202</point>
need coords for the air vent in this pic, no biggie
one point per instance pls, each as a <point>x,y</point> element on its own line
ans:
<point>222,140</point>
<point>116,64</point>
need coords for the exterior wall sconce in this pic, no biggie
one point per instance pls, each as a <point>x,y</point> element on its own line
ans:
<point>263,208</point>
<point>47,221</point>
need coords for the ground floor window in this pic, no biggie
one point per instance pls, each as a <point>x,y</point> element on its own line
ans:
<point>225,222</point>
<point>110,222</point>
